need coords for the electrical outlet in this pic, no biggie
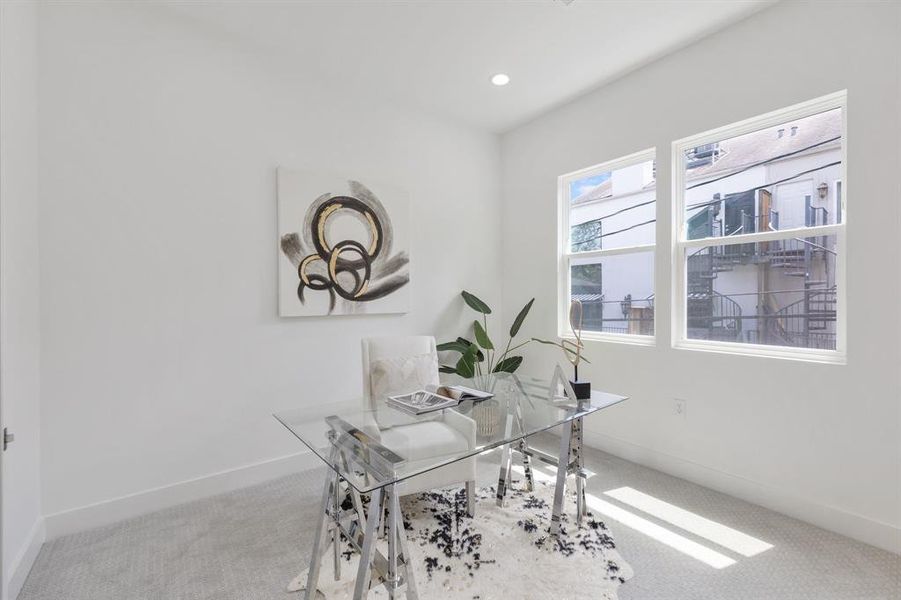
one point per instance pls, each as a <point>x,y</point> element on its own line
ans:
<point>680,408</point>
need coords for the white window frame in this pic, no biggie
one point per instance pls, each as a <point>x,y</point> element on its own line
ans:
<point>565,255</point>
<point>681,244</point>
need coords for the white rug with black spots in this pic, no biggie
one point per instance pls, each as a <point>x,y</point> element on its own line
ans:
<point>501,553</point>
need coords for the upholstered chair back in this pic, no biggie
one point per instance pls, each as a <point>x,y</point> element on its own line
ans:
<point>397,365</point>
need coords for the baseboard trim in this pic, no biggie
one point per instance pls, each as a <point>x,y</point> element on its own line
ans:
<point>114,510</point>
<point>21,564</point>
<point>858,527</point>
<point>876,533</point>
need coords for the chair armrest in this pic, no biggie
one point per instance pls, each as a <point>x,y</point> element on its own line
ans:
<point>463,424</point>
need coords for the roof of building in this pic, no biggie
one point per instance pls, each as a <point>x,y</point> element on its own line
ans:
<point>758,146</point>
<point>604,191</point>
<point>599,192</point>
<point>741,151</point>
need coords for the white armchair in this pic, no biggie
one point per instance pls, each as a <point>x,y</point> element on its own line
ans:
<point>395,365</point>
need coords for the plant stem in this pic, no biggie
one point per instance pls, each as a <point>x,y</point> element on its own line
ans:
<point>506,350</point>
<point>487,352</point>
<point>509,349</point>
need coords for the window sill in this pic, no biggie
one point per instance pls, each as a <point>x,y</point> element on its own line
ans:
<point>829,357</point>
<point>616,338</point>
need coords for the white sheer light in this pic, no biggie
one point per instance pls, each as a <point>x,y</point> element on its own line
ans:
<point>709,530</point>
<point>661,534</point>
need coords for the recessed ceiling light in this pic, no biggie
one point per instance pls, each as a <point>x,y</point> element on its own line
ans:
<point>500,79</point>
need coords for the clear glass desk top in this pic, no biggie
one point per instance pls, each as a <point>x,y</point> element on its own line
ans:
<point>373,448</point>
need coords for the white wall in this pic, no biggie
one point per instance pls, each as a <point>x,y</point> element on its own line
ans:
<point>816,441</point>
<point>19,291</point>
<point>163,356</point>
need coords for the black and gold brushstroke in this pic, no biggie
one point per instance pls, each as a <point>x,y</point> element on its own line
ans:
<point>373,272</point>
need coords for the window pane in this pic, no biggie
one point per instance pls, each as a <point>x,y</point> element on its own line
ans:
<point>613,209</point>
<point>780,293</point>
<point>616,292</point>
<point>781,177</point>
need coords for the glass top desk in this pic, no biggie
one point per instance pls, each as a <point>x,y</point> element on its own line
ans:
<point>347,437</point>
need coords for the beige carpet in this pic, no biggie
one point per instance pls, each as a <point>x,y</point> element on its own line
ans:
<point>247,545</point>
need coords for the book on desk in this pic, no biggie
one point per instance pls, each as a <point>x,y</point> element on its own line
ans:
<point>438,398</point>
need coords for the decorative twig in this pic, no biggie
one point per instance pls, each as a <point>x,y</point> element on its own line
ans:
<point>572,350</point>
<point>575,323</point>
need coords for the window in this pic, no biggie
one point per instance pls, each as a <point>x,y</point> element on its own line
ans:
<point>759,238</point>
<point>607,237</point>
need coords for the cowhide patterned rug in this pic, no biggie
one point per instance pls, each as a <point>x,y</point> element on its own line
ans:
<point>501,553</point>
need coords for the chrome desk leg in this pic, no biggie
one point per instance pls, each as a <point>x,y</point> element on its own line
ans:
<point>357,501</point>
<point>581,475</point>
<point>503,480</point>
<point>319,542</point>
<point>336,532</point>
<point>355,498</point>
<point>471,498</point>
<point>527,464</point>
<point>403,572</point>
<point>562,468</point>
<point>383,521</point>
<point>364,570</point>
<point>392,578</point>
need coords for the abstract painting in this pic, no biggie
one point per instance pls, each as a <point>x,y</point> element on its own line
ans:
<point>343,247</point>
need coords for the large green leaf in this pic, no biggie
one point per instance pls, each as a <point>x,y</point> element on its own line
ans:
<point>517,322</point>
<point>479,356</point>
<point>475,304</point>
<point>447,369</point>
<point>482,336</point>
<point>455,346</point>
<point>508,365</point>
<point>466,365</point>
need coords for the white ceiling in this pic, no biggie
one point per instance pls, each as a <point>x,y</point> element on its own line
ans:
<point>438,55</point>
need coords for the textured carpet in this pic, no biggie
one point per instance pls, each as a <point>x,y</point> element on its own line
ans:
<point>457,557</point>
<point>246,545</point>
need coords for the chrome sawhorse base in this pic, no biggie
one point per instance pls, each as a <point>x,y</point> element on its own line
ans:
<point>360,527</point>
<point>569,461</point>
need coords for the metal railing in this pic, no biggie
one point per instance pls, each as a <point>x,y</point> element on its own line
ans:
<point>806,322</point>
<point>594,315</point>
<point>714,316</point>
<point>803,323</point>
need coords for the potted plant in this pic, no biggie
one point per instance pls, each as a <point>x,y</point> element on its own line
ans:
<point>482,357</point>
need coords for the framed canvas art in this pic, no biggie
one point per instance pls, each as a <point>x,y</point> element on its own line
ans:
<point>343,246</point>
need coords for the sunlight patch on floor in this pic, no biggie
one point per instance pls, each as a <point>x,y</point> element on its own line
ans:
<point>642,525</point>
<point>661,534</point>
<point>717,533</point>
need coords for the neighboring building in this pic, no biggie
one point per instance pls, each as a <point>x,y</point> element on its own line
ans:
<point>780,293</point>
<point>617,293</point>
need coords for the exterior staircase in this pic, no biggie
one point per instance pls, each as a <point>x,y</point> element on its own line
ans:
<point>711,315</point>
<point>807,322</point>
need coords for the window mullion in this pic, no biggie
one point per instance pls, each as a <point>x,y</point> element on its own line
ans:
<point>763,236</point>
<point>610,251</point>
